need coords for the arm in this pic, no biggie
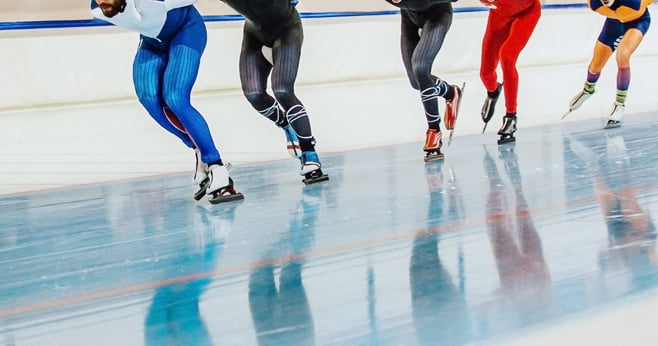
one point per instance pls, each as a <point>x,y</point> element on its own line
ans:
<point>598,7</point>
<point>632,9</point>
<point>628,10</point>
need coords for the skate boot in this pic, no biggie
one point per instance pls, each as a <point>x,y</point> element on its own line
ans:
<point>506,132</point>
<point>200,176</point>
<point>293,142</point>
<point>433,144</point>
<point>311,168</point>
<point>578,101</point>
<point>489,105</point>
<point>452,110</point>
<point>220,188</point>
<point>614,119</point>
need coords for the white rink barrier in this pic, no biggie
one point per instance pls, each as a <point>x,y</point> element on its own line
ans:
<point>66,66</point>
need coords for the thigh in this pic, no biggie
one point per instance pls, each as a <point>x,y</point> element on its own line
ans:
<point>184,59</point>
<point>520,31</point>
<point>254,68</point>
<point>611,33</point>
<point>432,36</point>
<point>634,33</point>
<point>148,68</point>
<point>286,53</point>
<point>498,29</point>
<point>409,38</point>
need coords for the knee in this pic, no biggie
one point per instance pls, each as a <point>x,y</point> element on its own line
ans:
<point>484,73</point>
<point>176,101</point>
<point>421,70</point>
<point>149,100</point>
<point>254,97</point>
<point>623,57</point>
<point>508,63</point>
<point>285,95</point>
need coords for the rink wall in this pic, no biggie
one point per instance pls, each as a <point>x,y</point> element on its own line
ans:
<point>79,60</point>
<point>45,10</point>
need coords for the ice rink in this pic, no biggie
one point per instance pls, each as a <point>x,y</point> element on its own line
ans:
<point>547,241</point>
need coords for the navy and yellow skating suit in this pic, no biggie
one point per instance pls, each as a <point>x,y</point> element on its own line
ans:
<point>622,16</point>
<point>266,19</point>
<point>621,10</point>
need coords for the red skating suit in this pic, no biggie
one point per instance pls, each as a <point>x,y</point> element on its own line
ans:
<point>509,28</point>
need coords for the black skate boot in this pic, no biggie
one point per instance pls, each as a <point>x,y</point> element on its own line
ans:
<point>311,168</point>
<point>506,132</point>
<point>489,106</point>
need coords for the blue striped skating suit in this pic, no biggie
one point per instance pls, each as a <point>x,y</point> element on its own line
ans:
<point>172,39</point>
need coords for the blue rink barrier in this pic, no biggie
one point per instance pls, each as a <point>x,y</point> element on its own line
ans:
<point>81,23</point>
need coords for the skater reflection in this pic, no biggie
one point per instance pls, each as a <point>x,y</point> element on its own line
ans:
<point>630,260</point>
<point>282,316</point>
<point>524,276</point>
<point>13,219</point>
<point>174,317</point>
<point>439,309</point>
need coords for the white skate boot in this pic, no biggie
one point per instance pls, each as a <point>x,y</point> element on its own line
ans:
<point>200,176</point>
<point>220,187</point>
<point>614,119</point>
<point>578,101</point>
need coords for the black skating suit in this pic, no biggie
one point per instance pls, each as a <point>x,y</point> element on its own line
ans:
<point>273,24</point>
<point>425,24</point>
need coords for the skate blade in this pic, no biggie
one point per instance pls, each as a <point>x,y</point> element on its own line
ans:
<point>565,114</point>
<point>485,127</point>
<point>226,198</point>
<point>432,157</point>
<point>612,124</point>
<point>450,136</point>
<point>454,123</point>
<point>314,180</point>
<point>202,189</point>
<point>506,140</point>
